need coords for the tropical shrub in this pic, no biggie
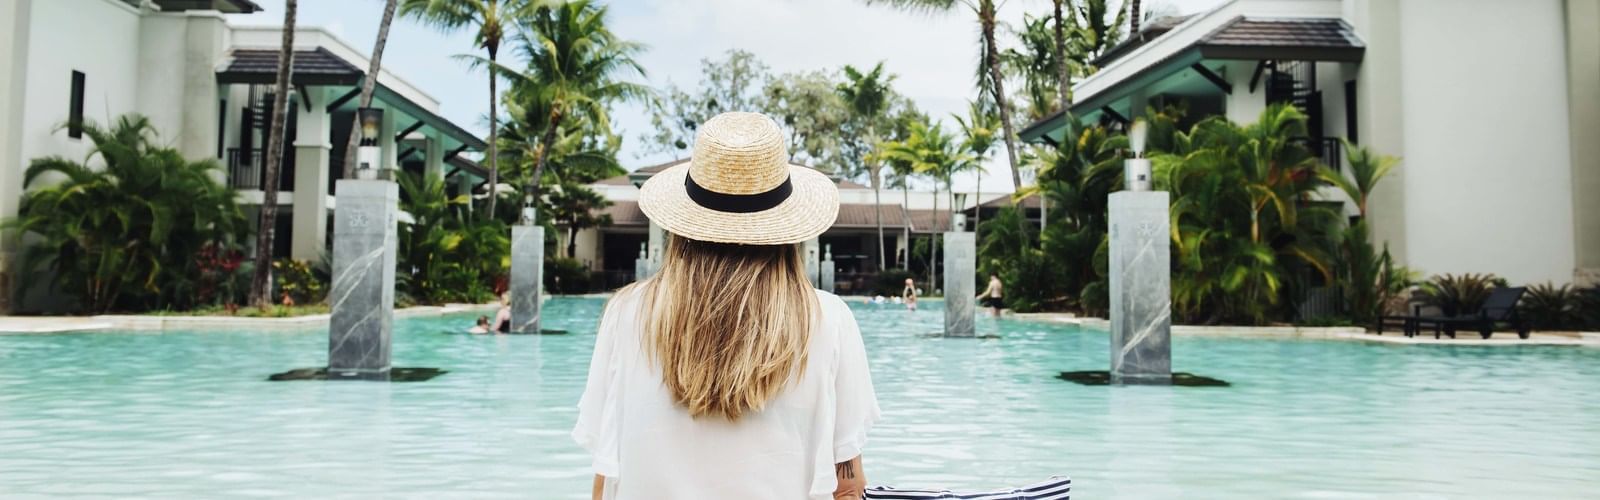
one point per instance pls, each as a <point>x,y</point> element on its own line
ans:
<point>125,234</point>
<point>446,256</point>
<point>1461,294</point>
<point>565,275</point>
<point>223,276</point>
<point>1549,307</point>
<point>1245,233</point>
<point>1366,274</point>
<point>1589,308</point>
<point>299,281</point>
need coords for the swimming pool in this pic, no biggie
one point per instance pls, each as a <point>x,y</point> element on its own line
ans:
<point>191,415</point>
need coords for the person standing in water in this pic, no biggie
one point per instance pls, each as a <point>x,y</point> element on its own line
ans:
<point>993,297</point>
<point>726,374</point>
<point>909,294</point>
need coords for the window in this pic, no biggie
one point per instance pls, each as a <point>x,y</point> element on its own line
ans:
<point>222,127</point>
<point>75,109</point>
<point>1350,111</point>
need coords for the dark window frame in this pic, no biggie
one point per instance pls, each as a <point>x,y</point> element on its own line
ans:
<point>75,108</point>
<point>1350,113</point>
<point>222,129</point>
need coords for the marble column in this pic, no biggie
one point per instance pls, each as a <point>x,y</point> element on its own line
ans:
<point>362,294</point>
<point>527,271</point>
<point>825,271</point>
<point>809,252</point>
<point>641,265</point>
<point>1141,288</point>
<point>960,275</point>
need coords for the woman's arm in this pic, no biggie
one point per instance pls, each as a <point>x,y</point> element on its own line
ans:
<point>852,480</point>
<point>599,484</point>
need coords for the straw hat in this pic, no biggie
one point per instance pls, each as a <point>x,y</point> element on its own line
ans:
<point>740,188</point>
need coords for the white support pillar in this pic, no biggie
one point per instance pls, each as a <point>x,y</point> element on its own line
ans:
<point>386,142</point>
<point>312,150</point>
<point>14,30</point>
<point>433,157</point>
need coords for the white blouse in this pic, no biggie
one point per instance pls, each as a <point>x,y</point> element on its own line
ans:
<point>647,446</point>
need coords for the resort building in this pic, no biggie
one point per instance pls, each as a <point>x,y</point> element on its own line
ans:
<point>207,86</point>
<point>907,216</point>
<point>1493,108</point>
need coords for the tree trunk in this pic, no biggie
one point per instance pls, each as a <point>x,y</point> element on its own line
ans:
<point>998,92</point>
<point>366,87</point>
<point>261,283</point>
<point>877,209</point>
<point>933,241</point>
<point>977,203</point>
<point>905,205</point>
<point>494,132</point>
<point>546,141</point>
<point>1065,73</point>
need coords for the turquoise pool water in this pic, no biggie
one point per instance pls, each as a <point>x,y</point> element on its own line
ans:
<point>190,415</point>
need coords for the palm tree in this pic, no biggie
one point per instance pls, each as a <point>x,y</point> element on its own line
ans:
<point>978,129</point>
<point>1366,169</point>
<point>930,151</point>
<point>131,232</point>
<point>1133,18</point>
<point>574,67</point>
<point>990,77</point>
<point>867,95</point>
<point>368,83</point>
<point>1065,76</point>
<point>488,16</point>
<point>261,283</point>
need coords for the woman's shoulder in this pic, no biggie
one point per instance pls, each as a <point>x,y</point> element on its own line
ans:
<point>832,305</point>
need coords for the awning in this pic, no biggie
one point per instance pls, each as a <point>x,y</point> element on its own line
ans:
<point>321,68</point>
<point>1239,37</point>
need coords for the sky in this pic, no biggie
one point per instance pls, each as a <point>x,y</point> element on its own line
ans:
<point>933,55</point>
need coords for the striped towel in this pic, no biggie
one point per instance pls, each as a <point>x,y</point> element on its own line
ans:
<point>1055,488</point>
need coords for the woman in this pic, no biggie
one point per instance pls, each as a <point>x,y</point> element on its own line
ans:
<point>725,374</point>
<point>909,294</point>
<point>993,297</point>
<point>502,317</point>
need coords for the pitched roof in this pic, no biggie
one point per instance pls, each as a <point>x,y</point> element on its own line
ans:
<point>311,67</point>
<point>862,215</point>
<point>626,213</point>
<point>1285,32</point>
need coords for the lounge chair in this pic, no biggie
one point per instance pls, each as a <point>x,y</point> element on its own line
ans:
<point>1500,308</point>
<point>1407,322</point>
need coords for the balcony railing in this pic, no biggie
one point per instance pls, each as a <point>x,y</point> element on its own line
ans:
<point>246,169</point>
<point>1327,149</point>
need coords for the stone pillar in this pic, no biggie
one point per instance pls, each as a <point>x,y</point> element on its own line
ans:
<point>527,271</point>
<point>1141,288</point>
<point>641,265</point>
<point>14,34</point>
<point>809,257</point>
<point>364,244</point>
<point>658,244</point>
<point>825,271</point>
<point>960,275</point>
<point>311,152</point>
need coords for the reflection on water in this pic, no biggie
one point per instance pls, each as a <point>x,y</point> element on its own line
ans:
<point>191,415</point>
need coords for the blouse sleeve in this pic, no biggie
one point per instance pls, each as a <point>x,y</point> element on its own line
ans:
<point>856,402</point>
<point>599,416</point>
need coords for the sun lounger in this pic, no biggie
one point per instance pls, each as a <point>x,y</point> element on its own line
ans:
<point>1499,309</point>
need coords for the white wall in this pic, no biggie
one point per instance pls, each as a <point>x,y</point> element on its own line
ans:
<point>1486,145</point>
<point>107,54</point>
<point>1583,70</point>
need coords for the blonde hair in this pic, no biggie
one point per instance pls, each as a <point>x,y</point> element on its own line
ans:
<point>728,324</point>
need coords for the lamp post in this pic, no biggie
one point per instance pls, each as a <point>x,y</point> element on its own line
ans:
<point>367,153</point>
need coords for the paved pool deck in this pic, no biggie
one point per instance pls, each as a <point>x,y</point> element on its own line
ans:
<point>13,325</point>
<point>1345,333</point>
